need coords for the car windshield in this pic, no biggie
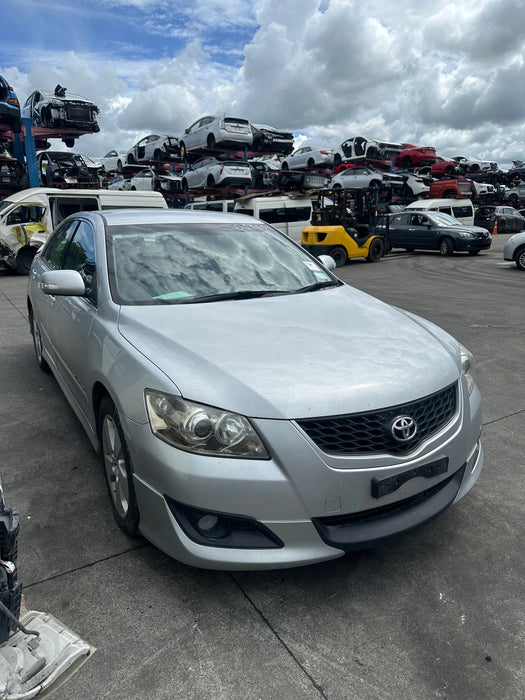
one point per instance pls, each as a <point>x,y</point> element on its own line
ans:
<point>204,262</point>
<point>439,218</point>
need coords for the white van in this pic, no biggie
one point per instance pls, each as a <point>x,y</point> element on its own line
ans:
<point>28,217</point>
<point>461,209</point>
<point>287,213</point>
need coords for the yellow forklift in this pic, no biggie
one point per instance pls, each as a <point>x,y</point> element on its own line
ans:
<point>344,225</point>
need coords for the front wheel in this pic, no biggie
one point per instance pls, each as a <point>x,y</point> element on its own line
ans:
<point>339,255</point>
<point>24,260</point>
<point>211,141</point>
<point>520,258</point>
<point>446,246</point>
<point>117,467</point>
<point>375,250</point>
<point>131,159</point>
<point>37,343</point>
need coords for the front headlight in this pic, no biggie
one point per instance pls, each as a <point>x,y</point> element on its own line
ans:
<point>466,234</point>
<point>206,430</point>
<point>467,367</point>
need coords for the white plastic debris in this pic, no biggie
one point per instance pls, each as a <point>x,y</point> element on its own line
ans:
<point>31,665</point>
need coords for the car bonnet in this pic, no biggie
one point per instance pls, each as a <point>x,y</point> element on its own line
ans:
<point>328,352</point>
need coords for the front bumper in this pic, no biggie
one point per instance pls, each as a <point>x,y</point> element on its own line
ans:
<point>317,505</point>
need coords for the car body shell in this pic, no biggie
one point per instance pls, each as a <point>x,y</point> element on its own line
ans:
<point>211,172</point>
<point>154,147</point>
<point>419,230</point>
<point>412,156</point>
<point>272,140</point>
<point>306,354</point>
<point>515,194</point>
<point>114,160</point>
<point>65,167</point>
<point>119,182</point>
<point>211,131</point>
<point>10,116</point>
<point>361,148</point>
<point>443,166</point>
<point>308,157</point>
<point>61,111</point>
<point>507,218</point>
<point>157,180</point>
<point>473,165</point>
<point>364,177</point>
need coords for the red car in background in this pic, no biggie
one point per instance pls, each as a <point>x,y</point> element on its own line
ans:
<point>412,156</point>
<point>443,166</point>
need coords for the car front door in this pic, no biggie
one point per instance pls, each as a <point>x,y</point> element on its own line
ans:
<point>71,317</point>
<point>398,231</point>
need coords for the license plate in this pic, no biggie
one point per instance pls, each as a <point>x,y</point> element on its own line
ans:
<point>382,486</point>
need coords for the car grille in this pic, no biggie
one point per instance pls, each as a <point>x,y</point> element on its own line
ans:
<point>78,113</point>
<point>370,433</point>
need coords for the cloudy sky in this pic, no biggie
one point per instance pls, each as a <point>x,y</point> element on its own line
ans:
<point>449,74</point>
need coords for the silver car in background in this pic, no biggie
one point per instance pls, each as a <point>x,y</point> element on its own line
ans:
<point>211,172</point>
<point>218,368</point>
<point>308,157</point>
<point>154,147</point>
<point>211,131</point>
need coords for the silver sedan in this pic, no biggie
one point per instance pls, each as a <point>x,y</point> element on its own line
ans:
<point>222,373</point>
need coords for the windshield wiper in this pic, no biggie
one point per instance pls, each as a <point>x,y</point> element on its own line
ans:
<point>242,294</point>
<point>318,285</point>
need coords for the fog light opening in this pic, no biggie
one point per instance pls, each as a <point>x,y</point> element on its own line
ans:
<point>212,526</point>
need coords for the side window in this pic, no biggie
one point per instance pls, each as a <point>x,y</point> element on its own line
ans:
<point>80,255</point>
<point>54,251</point>
<point>446,210</point>
<point>273,216</point>
<point>459,212</point>
<point>299,213</point>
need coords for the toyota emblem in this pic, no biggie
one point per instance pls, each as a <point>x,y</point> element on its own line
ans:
<point>403,428</point>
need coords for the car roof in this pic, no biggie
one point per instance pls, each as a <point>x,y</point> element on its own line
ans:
<point>122,217</point>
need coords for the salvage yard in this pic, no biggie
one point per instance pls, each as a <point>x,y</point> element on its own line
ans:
<point>437,613</point>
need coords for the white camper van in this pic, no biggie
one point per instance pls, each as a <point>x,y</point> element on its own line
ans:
<point>289,214</point>
<point>28,217</point>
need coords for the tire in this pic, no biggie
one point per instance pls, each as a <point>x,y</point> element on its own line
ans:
<point>310,163</point>
<point>339,254</point>
<point>513,198</point>
<point>182,150</point>
<point>449,169</point>
<point>211,141</point>
<point>337,159</point>
<point>131,159</point>
<point>372,153</point>
<point>37,344</point>
<point>24,260</point>
<point>133,188</point>
<point>474,168</point>
<point>519,258</point>
<point>210,182</point>
<point>375,250</point>
<point>284,166</point>
<point>119,165</point>
<point>118,469</point>
<point>157,154</point>
<point>446,246</point>
<point>70,143</point>
<point>375,185</point>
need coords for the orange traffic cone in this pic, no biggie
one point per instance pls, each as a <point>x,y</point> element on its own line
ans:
<point>495,229</point>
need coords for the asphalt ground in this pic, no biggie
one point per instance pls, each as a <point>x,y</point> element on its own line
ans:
<point>438,613</point>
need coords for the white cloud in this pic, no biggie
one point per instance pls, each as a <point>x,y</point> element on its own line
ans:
<point>448,75</point>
